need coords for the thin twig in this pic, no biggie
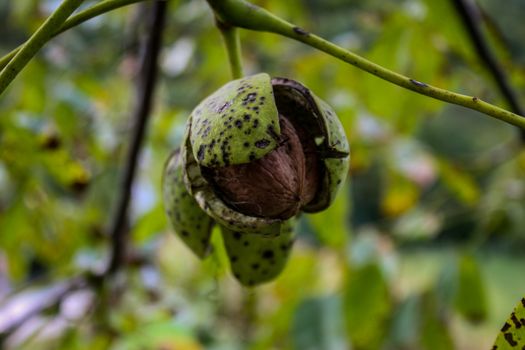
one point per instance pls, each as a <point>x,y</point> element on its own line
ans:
<point>145,88</point>
<point>81,17</point>
<point>471,17</point>
<point>36,41</point>
<point>244,14</point>
<point>55,295</point>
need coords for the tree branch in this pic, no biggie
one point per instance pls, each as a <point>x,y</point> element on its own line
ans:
<point>75,20</point>
<point>36,41</point>
<point>471,17</point>
<point>145,89</point>
<point>243,14</point>
<point>22,307</point>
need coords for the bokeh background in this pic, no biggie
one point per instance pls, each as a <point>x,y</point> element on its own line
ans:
<point>423,248</point>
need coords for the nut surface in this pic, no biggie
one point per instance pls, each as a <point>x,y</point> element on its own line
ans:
<point>275,186</point>
<point>294,156</point>
<point>323,126</point>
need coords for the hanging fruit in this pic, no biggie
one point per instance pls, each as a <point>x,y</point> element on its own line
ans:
<point>256,153</point>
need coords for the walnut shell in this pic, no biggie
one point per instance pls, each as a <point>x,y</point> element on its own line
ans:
<point>260,150</point>
<point>188,220</point>
<point>275,186</point>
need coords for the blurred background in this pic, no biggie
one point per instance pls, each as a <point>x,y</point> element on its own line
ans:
<point>423,248</point>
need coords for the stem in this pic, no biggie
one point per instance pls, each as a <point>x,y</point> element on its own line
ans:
<point>249,315</point>
<point>246,15</point>
<point>145,88</point>
<point>471,102</point>
<point>230,35</point>
<point>75,20</point>
<point>37,40</point>
<point>470,16</point>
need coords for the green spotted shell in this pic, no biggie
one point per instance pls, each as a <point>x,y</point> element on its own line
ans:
<point>239,123</point>
<point>206,198</point>
<point>512,334</point>
<point>255,258</point>
<point>236,124</point>
<point>188,220</point>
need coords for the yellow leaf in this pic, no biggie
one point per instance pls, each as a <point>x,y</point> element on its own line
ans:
<point>399,198</point>
<point>460,183</point>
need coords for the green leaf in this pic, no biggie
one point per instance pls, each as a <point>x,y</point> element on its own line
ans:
<point>434,332</point>
<point>421,323</point>
<point>512,334</point>
<point>160,335</point>
<point>404,333</point>
<point>460,183</point>
<point>471,298</point>
<point>317,324</point>
<point>150,224</point>
<point>367,307</point>
<point>331,225</point>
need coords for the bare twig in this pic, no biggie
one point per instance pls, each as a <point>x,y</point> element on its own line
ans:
<point>82,16</point>
<point>471,17</point>
<point>145,89</point>
<point>51,297</point>
<point>21,307</point>
<point>39,38</point>
<point>244,14</point>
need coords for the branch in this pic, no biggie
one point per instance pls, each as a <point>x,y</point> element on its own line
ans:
<point>230,35</point>
<point>243,14</point>
<point>470,16</point>
<point>36,41</point>
<point>145,88</point>
<point>25,303</point>
<point>75,20</point>
<point>22,307</point>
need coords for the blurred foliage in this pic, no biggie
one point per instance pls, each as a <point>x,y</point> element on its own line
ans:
<point>423,248</point>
